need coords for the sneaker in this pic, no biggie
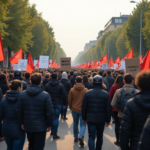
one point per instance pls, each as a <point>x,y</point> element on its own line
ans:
<point>117,143</point>
<point>65,118</point>
<point>113,121</point>
<point>75,140</point>
<point>62,117</point>
<point>56,137</point>
<point>81,141</point>
<point>51,133</point>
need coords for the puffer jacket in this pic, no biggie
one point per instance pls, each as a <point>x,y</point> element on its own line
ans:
<point>23,82</point>
<point>10,127</point>
<point>96,106</point>
<point>1,95</point>
<point>72,80</point>
<point>45,81</point>
<point>57,92</point>
<point>135,115</point>
<point>4,87</point>
<point>66,83</point>
<point>35,109</point>
<point>144,143</point>
<point>88,85</point>
<point>110,80</point>
<point>27,81</point>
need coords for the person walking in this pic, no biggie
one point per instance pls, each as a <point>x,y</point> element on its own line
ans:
<point>35,113</point>
<point>11,129</point>
<point>46,80</point>
<point>96,112</point>
<point>86,82</point>
<point>75,99</point>
<point>27,78</point>
<point>136,112</point>
<point>66,83</point>
<point>59,97</point>
<point>72,80</point>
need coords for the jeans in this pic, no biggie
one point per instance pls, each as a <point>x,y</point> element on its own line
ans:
<point>93,130</point>
<point>76,117</point>
<point>57,111</point>
<point>36,140</point>
<point>117,125</point>
<point>15,144</point>
<point>64,110</point>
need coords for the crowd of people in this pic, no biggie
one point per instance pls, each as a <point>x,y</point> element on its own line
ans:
<point>31,105</point>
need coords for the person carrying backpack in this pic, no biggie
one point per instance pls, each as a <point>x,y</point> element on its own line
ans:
<point>124,94</point>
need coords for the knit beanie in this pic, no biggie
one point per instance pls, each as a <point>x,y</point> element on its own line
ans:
<point>64,75</point>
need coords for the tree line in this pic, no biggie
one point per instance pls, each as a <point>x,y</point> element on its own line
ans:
<point>120,41</point>
<point>22,26</point>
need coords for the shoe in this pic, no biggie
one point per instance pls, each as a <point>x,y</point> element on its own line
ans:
<point>81,141</point>
<point>76,140</point>
<point>65,118</point>
<point>113,121</point>
<point>56,137</point>
<point>2,139</point>
<point>51,133</point>
<point>62,117</point>
<point>117,143</point>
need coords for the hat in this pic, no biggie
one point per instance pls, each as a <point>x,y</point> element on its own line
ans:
<point>64,75</point>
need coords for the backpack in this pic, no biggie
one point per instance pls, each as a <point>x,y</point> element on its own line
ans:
<point>124,98</point>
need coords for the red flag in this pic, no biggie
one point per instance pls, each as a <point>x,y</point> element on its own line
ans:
<point>111,64</point>
<point>145,65</point>
<point>37,65</point>
<point>30,65</point>
<point>129,55</point>
<point>53,64</point>
<point>15,58</point>
<point>2,57</point>
<point>140,58</point>
<point>49,63</point>
<point>117,61</point>
<point>86,66</point>
<point>103,60</point>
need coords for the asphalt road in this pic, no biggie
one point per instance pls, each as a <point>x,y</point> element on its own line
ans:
<point>66,142</point>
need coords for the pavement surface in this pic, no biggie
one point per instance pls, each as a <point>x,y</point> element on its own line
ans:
<point>66,142</point>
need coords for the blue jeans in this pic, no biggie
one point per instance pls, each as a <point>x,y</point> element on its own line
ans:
<point>57,110</point>
<point>64,110</point>
<point>15,144</point>
<point>76,117</point>
<point>95,129</point>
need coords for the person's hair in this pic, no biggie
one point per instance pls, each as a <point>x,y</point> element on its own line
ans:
<point>79,79</point>
<point>94,74</point>
<point>142,81</point>
<point>54,76</point>
<point>11,75</point>
<point>27,75</point>
<point>85,78</point>
<point>47,75</point>
<point>108,72</point>
<point>15,84</point>
<point>36,78</point>
<point>101,73</point>
<point>119,80</point>
<point>128,78</point>
<point>3,78</point>
<point>71,73</point>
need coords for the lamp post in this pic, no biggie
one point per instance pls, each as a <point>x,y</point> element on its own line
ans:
<point>140,27</point>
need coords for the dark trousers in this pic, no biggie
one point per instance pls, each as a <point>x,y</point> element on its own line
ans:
<point>64,110</point>
<point>117,125</point>
<point>95,129</point>
<point>36,140</point>
<point>1,129</point>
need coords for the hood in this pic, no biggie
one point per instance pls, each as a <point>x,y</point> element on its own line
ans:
<point>45,81</point>
<point>33,90</point>
<point>12,96</point>
<point>54,82</point>
<point>79,86</point>
<point>142,99</point>
<point>64,80</point>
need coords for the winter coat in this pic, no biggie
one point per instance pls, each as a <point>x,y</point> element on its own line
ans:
<point>4,87</point>
<point>45,81</point>
<point>96,106</point>
<point>88,85</point>
<point>35,109</point>
<point>110,80</point>
<point>27,81</point>
<point>10,127</point>
<point>72,80</point>
<point>106,84</point>
<point>57,92</point>
<point>1,95</point>
<point>135,115</point>
<point>23,82</point>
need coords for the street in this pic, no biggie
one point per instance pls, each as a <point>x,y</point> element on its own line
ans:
<point>66,142</point>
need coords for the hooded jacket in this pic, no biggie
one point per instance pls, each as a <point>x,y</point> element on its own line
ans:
<point>11,127</point>
<point>57,92</point>
<point>75,97</point>
<point>45,81</point>
<point>135,115</point>
<point>35,109</point>
<point>110,80</point>
<point>23,82</point>
<point>4,87</point>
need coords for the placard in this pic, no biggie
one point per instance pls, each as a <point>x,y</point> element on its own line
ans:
<point>104,66</point>
<point>15,67</point>
<point>43,62</point>
<point>133,66</point>
<point>123,66</point>
<point>65,63</point>
<point>22,64</point>
<point>35,62</point>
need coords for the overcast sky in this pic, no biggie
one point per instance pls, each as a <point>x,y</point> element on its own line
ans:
<point>76,22</point>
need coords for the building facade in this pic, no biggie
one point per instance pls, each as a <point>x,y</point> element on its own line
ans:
<point>89,45</point>
<point>100,34</point>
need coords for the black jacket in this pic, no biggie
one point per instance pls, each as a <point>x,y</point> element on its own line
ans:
<point>135,115</point>
<point>10,127</point>
<point>21,79</point>
<point>72,80</point>
<point>45,81</point>
<point>27,81</point>
<point>57,92</point>
<point>110,80</point>
<point>35,109</point>
<point>96,106</point>
<point>66,83</point>
<point>144,143</point>
<point>88,85</point>
<point>4,87</point>
<point>1,95</point>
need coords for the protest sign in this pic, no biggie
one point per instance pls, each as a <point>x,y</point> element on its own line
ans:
<point>35,62</point>
<point>15,67</point>
<point>104,66</point>
<point>43,62</point>
<point>22,64</point>
<point>123,66</point>
<point>132,66</point>
<point>65,63</point>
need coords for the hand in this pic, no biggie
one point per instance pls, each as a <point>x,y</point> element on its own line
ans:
<point>107,124</point>
<point>48,129</point>
<point>84,121</point>
<point>4,95</point>
<point>64,106</point>
<point>22,126</point>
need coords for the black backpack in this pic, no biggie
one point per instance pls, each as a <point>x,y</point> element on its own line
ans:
<point>124,98</point>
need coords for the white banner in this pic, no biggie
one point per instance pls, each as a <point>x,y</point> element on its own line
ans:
<point>123,66</point>
<point>115,66</point>
<point>104,66</point>
<point>43,62</point>
<point>35,62</point>
<point>15,67</point>
<point>22,64</point>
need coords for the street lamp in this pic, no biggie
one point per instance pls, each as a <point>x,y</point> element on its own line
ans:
<point>140,27</point>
